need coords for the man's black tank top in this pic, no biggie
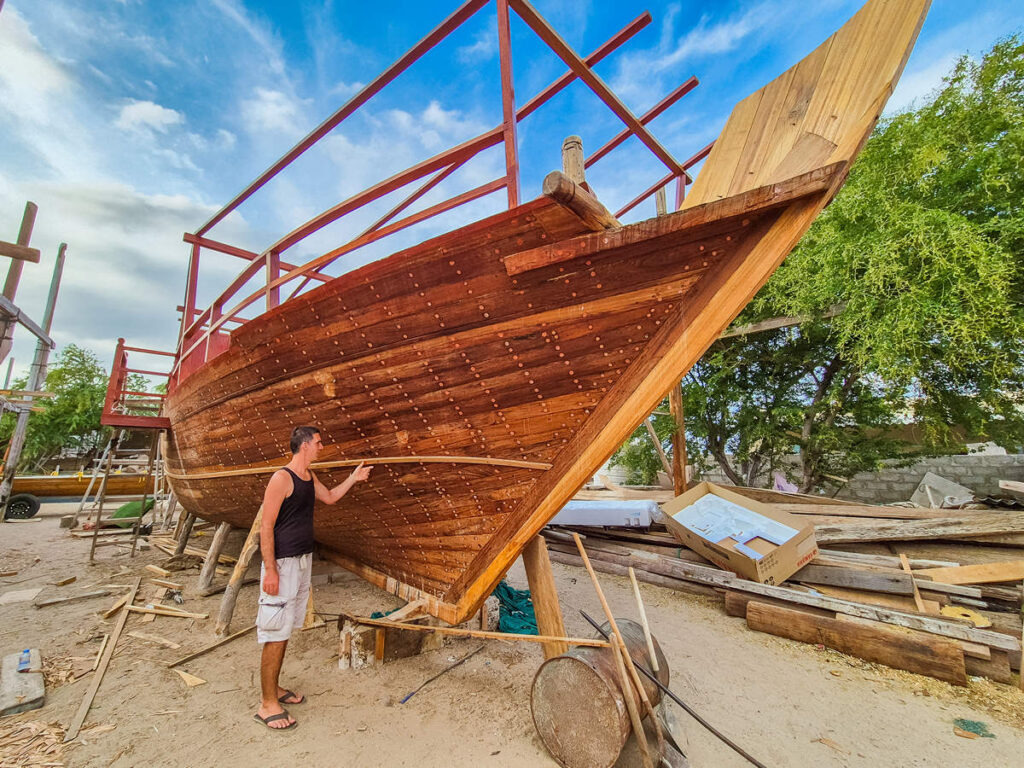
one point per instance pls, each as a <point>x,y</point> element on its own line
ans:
<point>293,531</point>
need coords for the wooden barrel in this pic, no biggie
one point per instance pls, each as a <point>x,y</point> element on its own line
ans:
<point>578,706</point>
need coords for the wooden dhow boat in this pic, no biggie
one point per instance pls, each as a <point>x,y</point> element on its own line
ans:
<point>489,372</point>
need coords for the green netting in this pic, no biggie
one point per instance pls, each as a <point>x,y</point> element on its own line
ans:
<point>130,511</point>
<point>516,614</point>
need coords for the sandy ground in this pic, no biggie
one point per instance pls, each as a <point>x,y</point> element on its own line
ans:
<point>787,703</point>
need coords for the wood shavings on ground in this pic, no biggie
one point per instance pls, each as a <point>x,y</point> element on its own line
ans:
<point>1004,703</point>
<point>30,744</point>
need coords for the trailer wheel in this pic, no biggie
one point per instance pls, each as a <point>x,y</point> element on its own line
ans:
<point>21,506</point>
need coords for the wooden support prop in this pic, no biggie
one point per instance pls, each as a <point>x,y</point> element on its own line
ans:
<point>76,723</point>
<point>901,649</point>
<point>312,621</point>
<point>184,533</point>
<point>665,464</point>
<point>459,632</point>
<point>210,647</point>
<point>227,602</point>
<point>544,595</point>
<point>643,620</point>
<point>573,196</point>
<point>625,663</point>
<point>572,160</point>
<point>212,556</point>
<point>660,203</point>
<point>679,459</point>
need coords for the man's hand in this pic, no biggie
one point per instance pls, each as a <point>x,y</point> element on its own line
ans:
<point>271,581</point>
<point>360,473</point>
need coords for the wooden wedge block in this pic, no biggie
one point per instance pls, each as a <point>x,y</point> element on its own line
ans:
<point>190,680</point>
<point>163,573</point>
<point>985,573</point>
<point>898,648</point>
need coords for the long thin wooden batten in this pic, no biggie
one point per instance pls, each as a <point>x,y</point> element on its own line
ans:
<point>487,460</point>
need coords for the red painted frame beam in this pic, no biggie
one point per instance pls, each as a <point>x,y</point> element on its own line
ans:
<point>458,153</point>
<point>645,118</point>
<point>441,31</point>
<point>701,154</point>
<point>555,42</point>
<point>508,104</point>
<point>231,250</point>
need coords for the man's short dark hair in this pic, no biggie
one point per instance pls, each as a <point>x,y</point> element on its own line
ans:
<point>301,435</point>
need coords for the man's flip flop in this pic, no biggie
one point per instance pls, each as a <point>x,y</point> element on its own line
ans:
<point>291,695</point>
<point>273,719</point>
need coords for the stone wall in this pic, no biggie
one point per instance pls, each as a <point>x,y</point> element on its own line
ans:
<point>980,473</point>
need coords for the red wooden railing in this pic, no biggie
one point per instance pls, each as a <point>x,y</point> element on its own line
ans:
<point>205,333</point>
<point>123,407</point>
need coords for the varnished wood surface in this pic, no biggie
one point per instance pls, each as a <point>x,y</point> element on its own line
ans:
<point>444,350</point>
<point>75,485</point>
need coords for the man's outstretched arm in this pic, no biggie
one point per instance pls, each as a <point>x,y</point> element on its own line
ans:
<point>331,496</point>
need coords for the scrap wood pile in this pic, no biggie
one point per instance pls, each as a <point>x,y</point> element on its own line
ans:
<point>932,591</point>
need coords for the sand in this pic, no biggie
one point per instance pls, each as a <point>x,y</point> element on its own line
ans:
<point>785,702</point>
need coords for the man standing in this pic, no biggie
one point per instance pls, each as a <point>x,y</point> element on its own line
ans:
<point>286,543</point>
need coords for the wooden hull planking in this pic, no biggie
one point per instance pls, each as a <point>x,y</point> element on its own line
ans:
<point>517,353</point>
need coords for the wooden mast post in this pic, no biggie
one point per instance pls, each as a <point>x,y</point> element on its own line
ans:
<point>212,557</point>
<point>544,595</point>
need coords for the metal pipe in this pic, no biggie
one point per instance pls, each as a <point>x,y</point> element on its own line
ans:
<point>689,710</point>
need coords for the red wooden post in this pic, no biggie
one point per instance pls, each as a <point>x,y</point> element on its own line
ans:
<point>191,285</point>
<point>508,104</point>
<point>273,272</point>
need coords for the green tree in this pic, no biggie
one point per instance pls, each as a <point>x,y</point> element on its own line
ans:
<point>70,419</point>
<point>923,248</point>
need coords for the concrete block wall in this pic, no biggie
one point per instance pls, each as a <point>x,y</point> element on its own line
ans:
<point>980,473</point>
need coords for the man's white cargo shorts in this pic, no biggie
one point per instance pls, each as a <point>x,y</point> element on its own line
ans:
<point>279,614</point>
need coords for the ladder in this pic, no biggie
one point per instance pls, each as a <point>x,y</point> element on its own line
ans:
<point>162,496</point>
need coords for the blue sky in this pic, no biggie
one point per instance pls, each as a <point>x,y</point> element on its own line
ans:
<point>131,121</point>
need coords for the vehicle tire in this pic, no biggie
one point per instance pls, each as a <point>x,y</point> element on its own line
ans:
<point>21,506</point>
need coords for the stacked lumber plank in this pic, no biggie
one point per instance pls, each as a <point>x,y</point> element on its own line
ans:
<point>932,591</point>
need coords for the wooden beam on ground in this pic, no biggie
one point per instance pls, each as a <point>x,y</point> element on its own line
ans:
<point>72,599</point>
<point>507,636</point>
<point>890,582</point>
<point>983,573</point>
<point>913,651</point>
<point>83,710</point>
<point>213,557</point>
<point>227,602</point>
<point>210,647</point>
<point>544,595</point>
<point>937,528</point>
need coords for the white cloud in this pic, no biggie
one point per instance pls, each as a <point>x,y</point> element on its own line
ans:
<point>259,33</point>
<point>147,115</point>
<point>639,73</point>
<point>29,78</point>
<point>271,111</point>
<point>226,139</point>
<point>483,47</point>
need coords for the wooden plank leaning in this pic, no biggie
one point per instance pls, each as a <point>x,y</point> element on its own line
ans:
<point>212,557</point>
<point>227,602</point>
<point>76,723</point>
<point>624,663</point>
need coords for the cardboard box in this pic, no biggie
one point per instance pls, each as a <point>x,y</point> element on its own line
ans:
<point>749,538</point>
